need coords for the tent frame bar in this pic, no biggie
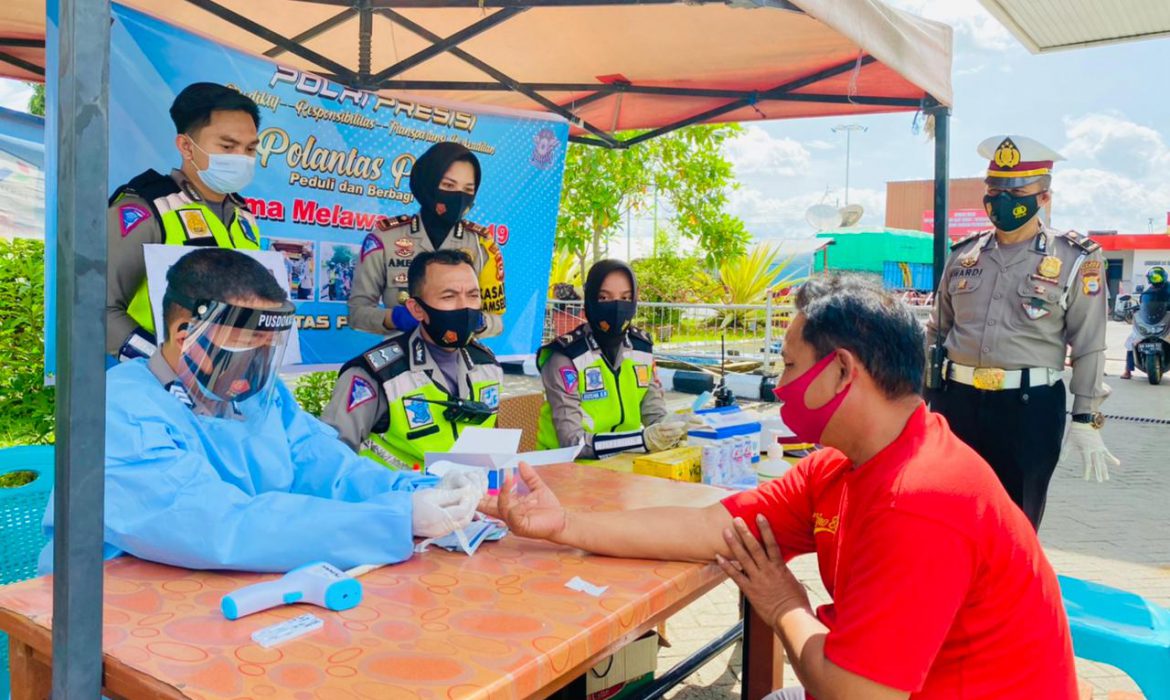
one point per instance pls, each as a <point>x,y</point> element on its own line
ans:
<point>20,63</point>
<point>313,32</point>
<point>526,4</point>
<point>446,44</point>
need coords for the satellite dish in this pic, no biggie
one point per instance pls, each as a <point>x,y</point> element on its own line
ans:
<point>822,216</point>
<point>851,214</point>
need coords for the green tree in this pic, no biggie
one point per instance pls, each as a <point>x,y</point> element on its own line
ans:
<point>25,402</point>
<point>342,256</point>
<point>686,168</point>
<point>36,103</point>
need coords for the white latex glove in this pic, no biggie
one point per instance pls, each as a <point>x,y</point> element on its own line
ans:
<point>440,511</point>
<point>664,435</point>
<point>694,421</point>
<point>459,476</point>
<point>1083,447</point>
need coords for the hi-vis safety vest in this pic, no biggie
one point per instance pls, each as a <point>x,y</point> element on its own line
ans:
<point>185,221</point>
<point>611,401</point>
<point>411,428</point>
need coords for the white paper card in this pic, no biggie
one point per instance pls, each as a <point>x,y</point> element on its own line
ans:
<point>299,626</point>
<point>160,258</point>
<point>488,440</point>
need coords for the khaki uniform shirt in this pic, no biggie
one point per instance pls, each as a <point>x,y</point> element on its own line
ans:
<point>355,418</point>
<point>567,415</point>
<point>1024,306</point>
<point>385,258</point>
<point>127,268</point>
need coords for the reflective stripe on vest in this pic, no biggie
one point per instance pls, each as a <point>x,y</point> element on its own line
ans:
<point>184,219</point>
<point>418,427</point>
<point>610,404</point>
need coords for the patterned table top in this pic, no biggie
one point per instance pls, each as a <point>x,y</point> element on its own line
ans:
<point>498,625</point>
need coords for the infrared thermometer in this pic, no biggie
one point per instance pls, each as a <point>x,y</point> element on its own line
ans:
<point>321,584</point>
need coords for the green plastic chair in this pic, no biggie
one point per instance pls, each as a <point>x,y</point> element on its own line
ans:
<point>21,535</point>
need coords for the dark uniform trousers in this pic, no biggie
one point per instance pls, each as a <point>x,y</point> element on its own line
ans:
<point>1018,432</point>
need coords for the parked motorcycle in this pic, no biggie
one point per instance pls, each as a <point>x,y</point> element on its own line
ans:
<point>1124,308</point>
<point>1151,330</point>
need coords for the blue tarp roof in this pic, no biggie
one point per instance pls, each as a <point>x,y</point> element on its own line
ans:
<point>23,136</point>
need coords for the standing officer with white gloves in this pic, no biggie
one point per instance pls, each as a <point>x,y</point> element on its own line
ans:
<point>1010,304</point>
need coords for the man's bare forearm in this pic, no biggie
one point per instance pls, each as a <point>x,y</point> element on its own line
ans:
<point>669,533</point>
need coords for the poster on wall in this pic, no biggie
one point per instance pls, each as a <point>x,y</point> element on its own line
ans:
<point>332,160</point>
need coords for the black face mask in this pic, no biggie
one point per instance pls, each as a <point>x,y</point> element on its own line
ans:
<point>1009,213</point>
<point>609,320</point>
<point>450,207</point>
<point>451,329</point>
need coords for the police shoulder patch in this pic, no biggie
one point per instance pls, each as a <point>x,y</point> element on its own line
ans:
<point>360,392</point>
<point>387,223</point>
<point>130,216</point>
<point>370,245</point>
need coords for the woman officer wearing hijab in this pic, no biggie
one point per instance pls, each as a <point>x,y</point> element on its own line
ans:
<point>600,386</point>
<point>444,181</point>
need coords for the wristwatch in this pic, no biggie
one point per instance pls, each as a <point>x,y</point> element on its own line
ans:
<point>1096,419</point>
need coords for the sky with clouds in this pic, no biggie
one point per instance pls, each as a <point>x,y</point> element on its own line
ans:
<point>1105,109</point>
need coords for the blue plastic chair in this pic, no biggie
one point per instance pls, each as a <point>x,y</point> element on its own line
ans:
<point>21,536</point>
<point>1121,629</point>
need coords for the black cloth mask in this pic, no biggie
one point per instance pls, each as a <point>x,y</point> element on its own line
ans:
<point>609,320</point>
<point>425,176</point>
<point>451,328</point>
<point>1008,212</point>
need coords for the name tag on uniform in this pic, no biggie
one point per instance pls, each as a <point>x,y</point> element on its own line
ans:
<point>595,395</point>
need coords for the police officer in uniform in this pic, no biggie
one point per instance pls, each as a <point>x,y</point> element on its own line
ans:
<point>600,385</point>
<point>196,204</point>
<point>445,181</point>
<point>415,391</point>
<point>1010,302</point>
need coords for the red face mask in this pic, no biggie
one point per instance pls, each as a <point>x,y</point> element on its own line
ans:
<point>808,423</point>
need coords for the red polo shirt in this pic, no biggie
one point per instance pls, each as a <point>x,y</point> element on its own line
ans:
<point>939,585</point>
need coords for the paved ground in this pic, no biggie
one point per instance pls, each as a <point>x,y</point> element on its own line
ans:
<point>1112,532</point>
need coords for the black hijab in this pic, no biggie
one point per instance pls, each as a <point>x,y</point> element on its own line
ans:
<point>425,176</point>
<point>608,341</point>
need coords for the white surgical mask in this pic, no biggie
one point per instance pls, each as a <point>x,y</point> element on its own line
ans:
<point>227,173</point>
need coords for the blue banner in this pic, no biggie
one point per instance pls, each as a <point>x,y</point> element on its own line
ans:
<point>332,160</point>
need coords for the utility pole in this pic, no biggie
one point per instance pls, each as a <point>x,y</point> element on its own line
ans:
<point>848,129</point>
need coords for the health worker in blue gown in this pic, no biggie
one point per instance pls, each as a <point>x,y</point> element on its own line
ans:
<point>211,464</point>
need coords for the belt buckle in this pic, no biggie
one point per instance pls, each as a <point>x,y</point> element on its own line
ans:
<point>989,378</point>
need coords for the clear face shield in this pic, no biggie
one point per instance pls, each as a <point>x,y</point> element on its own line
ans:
<point>231,355</point>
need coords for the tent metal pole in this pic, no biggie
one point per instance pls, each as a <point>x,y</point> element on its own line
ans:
<point>315,31</point>
<point>942,176</point>
<point>21,63</point>
<point>365,39</point>
<point>272,37</point>
<point>500,77</point>
<point>22,43</point>
<point>447,44</point>
<point>485,4</point>
<point>82,110</point>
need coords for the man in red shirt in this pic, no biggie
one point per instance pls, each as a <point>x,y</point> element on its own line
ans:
<point>940,588</point>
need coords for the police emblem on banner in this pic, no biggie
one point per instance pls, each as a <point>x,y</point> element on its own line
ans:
<point>593,379</point>
<point>418,413</point>
<point>490,396</point>
<point>360,392</point>
<point>371,244</point>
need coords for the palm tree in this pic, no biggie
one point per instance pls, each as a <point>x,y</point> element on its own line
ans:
<point>748,279</point>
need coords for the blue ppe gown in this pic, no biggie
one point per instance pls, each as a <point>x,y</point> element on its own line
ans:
<point>269,493</point>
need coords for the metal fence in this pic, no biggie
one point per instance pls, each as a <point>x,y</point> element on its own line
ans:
<point>750,335</point>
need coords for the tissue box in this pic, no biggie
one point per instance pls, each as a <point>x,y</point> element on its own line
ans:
<point>680,464</point>
<point>730,421</point>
